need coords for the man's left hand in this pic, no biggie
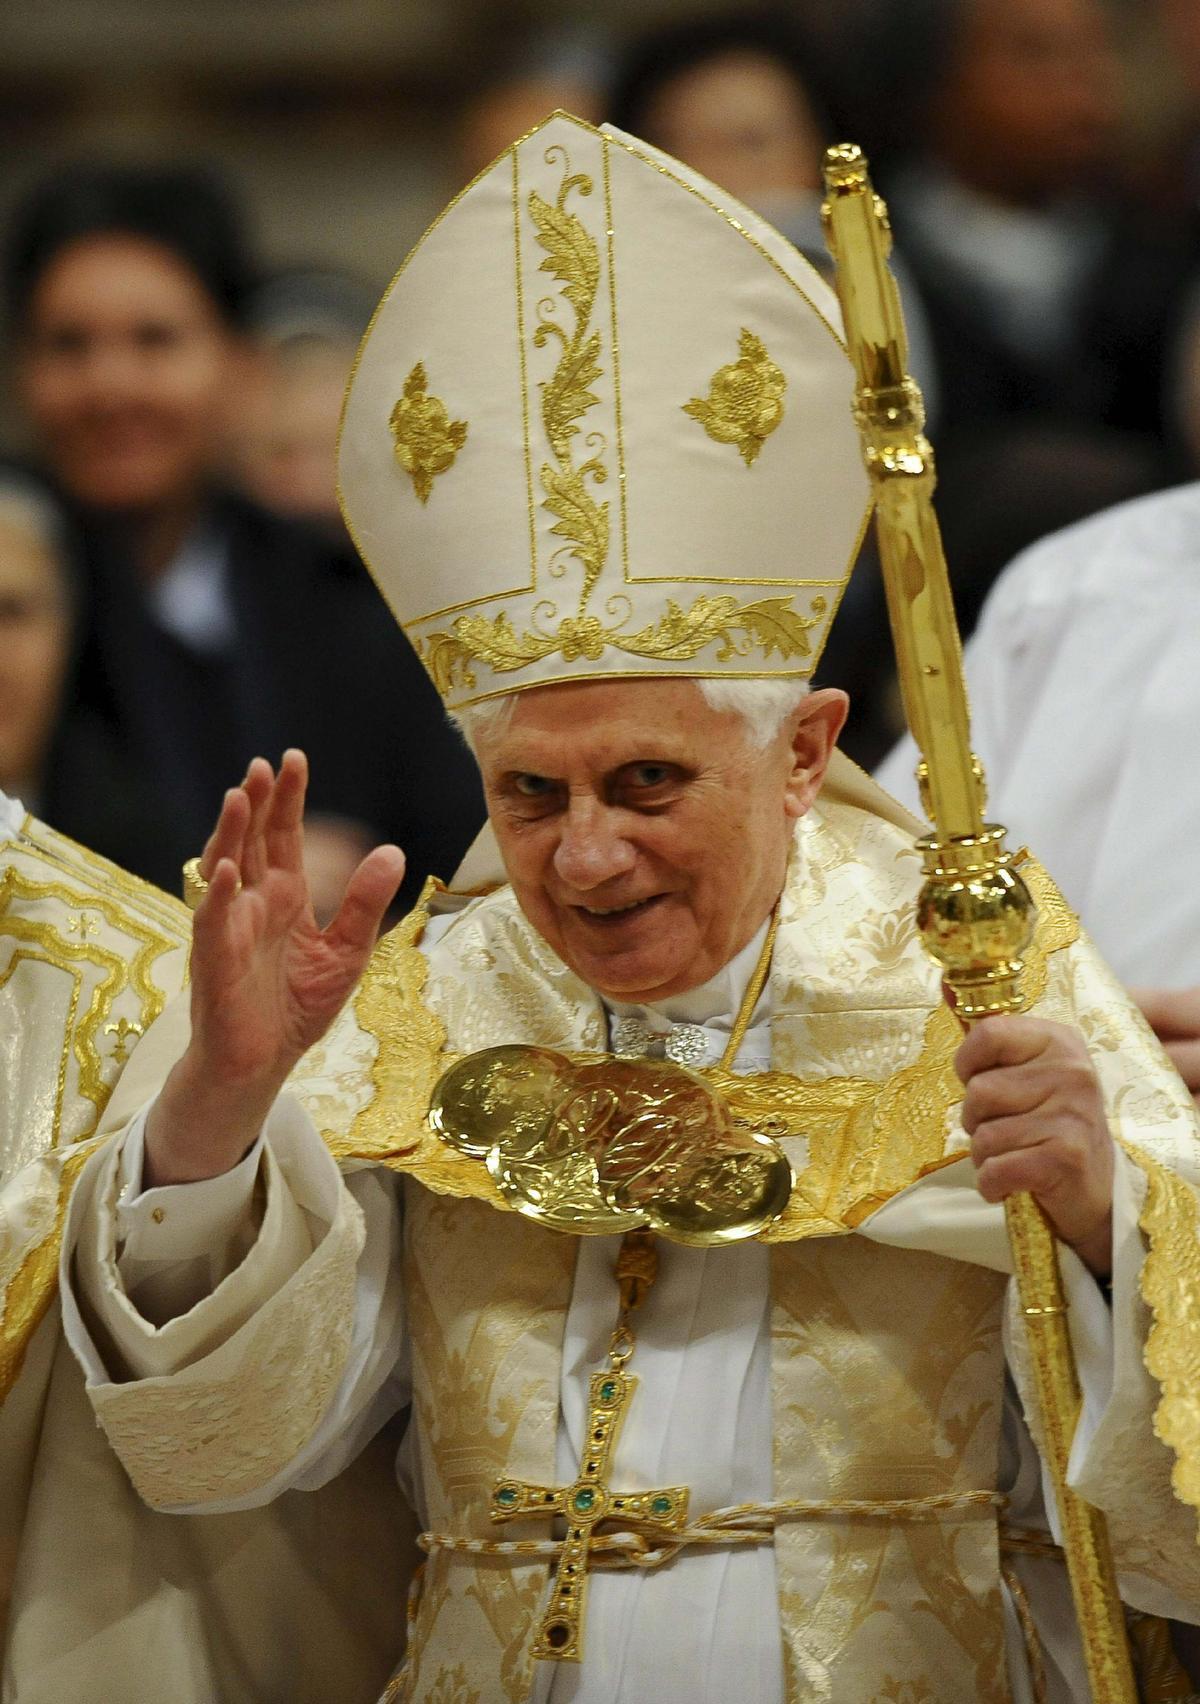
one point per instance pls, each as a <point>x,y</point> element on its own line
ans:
<point>1036,1119</point>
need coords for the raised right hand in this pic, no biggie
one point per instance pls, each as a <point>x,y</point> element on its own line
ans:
<point>266,981</point>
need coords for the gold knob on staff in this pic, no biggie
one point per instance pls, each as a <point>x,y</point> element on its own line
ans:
<point>975,913</point>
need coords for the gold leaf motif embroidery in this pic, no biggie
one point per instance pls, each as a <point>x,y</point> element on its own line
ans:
<point>745,399</point>
<point>451,1687</point>
<point>426,439</point>
<point>768,626</point>
<point>1170,1283</point>
<point>573,260</point>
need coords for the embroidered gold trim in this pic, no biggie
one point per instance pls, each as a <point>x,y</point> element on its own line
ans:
<point>89,887</point>
<point>769,627</point>
<point>116,972</point>
<point>866,1140</point>
<point>34,1284</point>
<point>573,261</point>
<point>744,404</point>
<point>1170,1285</point>
<point>426,440</point>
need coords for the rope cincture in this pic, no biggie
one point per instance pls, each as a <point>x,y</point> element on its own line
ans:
<point>647,1546</point>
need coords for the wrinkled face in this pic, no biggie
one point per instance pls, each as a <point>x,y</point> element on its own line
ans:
<point>740,120</point>
<point>645,838</point>
<point>34,642</point>
<point>127,374</point>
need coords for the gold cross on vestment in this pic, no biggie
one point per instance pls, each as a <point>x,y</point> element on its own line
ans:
<point>584,1505</point>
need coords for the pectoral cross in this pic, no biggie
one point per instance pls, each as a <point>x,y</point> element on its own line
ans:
<point>584,1505</point>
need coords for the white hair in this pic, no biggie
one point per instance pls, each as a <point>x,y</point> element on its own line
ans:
<point>763,705</point>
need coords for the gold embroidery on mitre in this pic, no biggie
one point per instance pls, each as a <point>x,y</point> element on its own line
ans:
<point>767,626</point>
<point>573,260</point>
<point>426,439</point>
<point>745,399</point>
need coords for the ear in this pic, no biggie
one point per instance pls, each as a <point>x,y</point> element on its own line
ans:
<point>815,727</point>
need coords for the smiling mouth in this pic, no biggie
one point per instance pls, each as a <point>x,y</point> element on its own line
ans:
<point>617,913</point>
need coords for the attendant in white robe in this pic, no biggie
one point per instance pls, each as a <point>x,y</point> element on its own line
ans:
<point>1084,678</point>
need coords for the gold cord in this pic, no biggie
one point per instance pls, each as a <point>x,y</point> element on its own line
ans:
<point>750,998</point>
<point>648,1545</point>
<point>637,1267</point>
<point>1029,1635</point>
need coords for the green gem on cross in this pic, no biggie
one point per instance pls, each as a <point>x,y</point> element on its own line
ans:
<point>608,1390</point>
<point>506,1497</point>
<point>661,1506</point>
<point>584,1500</point>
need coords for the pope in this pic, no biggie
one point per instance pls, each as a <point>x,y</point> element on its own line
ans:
<point>699,1298</point>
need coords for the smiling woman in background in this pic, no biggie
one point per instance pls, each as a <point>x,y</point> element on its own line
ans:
<point>213,627</point>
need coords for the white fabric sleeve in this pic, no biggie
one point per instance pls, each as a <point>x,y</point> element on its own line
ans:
<point>160,1308</point>
<point>177,1243</point>
<point>277,1377</point>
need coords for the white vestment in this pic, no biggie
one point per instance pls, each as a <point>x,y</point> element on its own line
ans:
<point>702,1412</point>
<point>1084,677</point>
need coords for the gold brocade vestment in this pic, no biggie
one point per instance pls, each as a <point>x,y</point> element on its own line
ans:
<point>887,1358</point>
<point>887,1364</point>
<point>887,1382</point>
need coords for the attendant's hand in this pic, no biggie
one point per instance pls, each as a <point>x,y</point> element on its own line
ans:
<point>1036,1119</point>
<point>1174,1016</point>
<point>266,981</point>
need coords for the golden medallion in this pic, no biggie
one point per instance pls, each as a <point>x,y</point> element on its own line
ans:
<point>551,1174</point>
<point>501,1092</point>
<point>681,1161</point>
<point>604,1146</point>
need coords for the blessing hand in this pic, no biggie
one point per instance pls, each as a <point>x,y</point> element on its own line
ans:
<point>266,981</point>
<point>1036,1118</point>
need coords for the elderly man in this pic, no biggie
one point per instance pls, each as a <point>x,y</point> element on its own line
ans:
<point>646,1178</point>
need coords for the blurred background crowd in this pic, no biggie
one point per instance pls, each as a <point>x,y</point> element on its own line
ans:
<point>200,201</point>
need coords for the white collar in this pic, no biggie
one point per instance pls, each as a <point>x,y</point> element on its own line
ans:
<point>715,1003</point>
<point>12,815</point>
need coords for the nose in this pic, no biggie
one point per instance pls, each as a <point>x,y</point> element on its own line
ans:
<point>592,849</point>
<point>109,371</point>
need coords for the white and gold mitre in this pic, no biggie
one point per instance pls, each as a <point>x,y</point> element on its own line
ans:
<point>601,426</point>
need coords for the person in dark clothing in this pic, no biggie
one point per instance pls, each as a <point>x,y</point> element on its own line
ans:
<point>1050,292</point>
<point>211,629</point>
<point>742,98</point>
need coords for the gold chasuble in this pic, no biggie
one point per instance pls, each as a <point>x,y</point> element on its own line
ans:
<point>887,1358</point>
